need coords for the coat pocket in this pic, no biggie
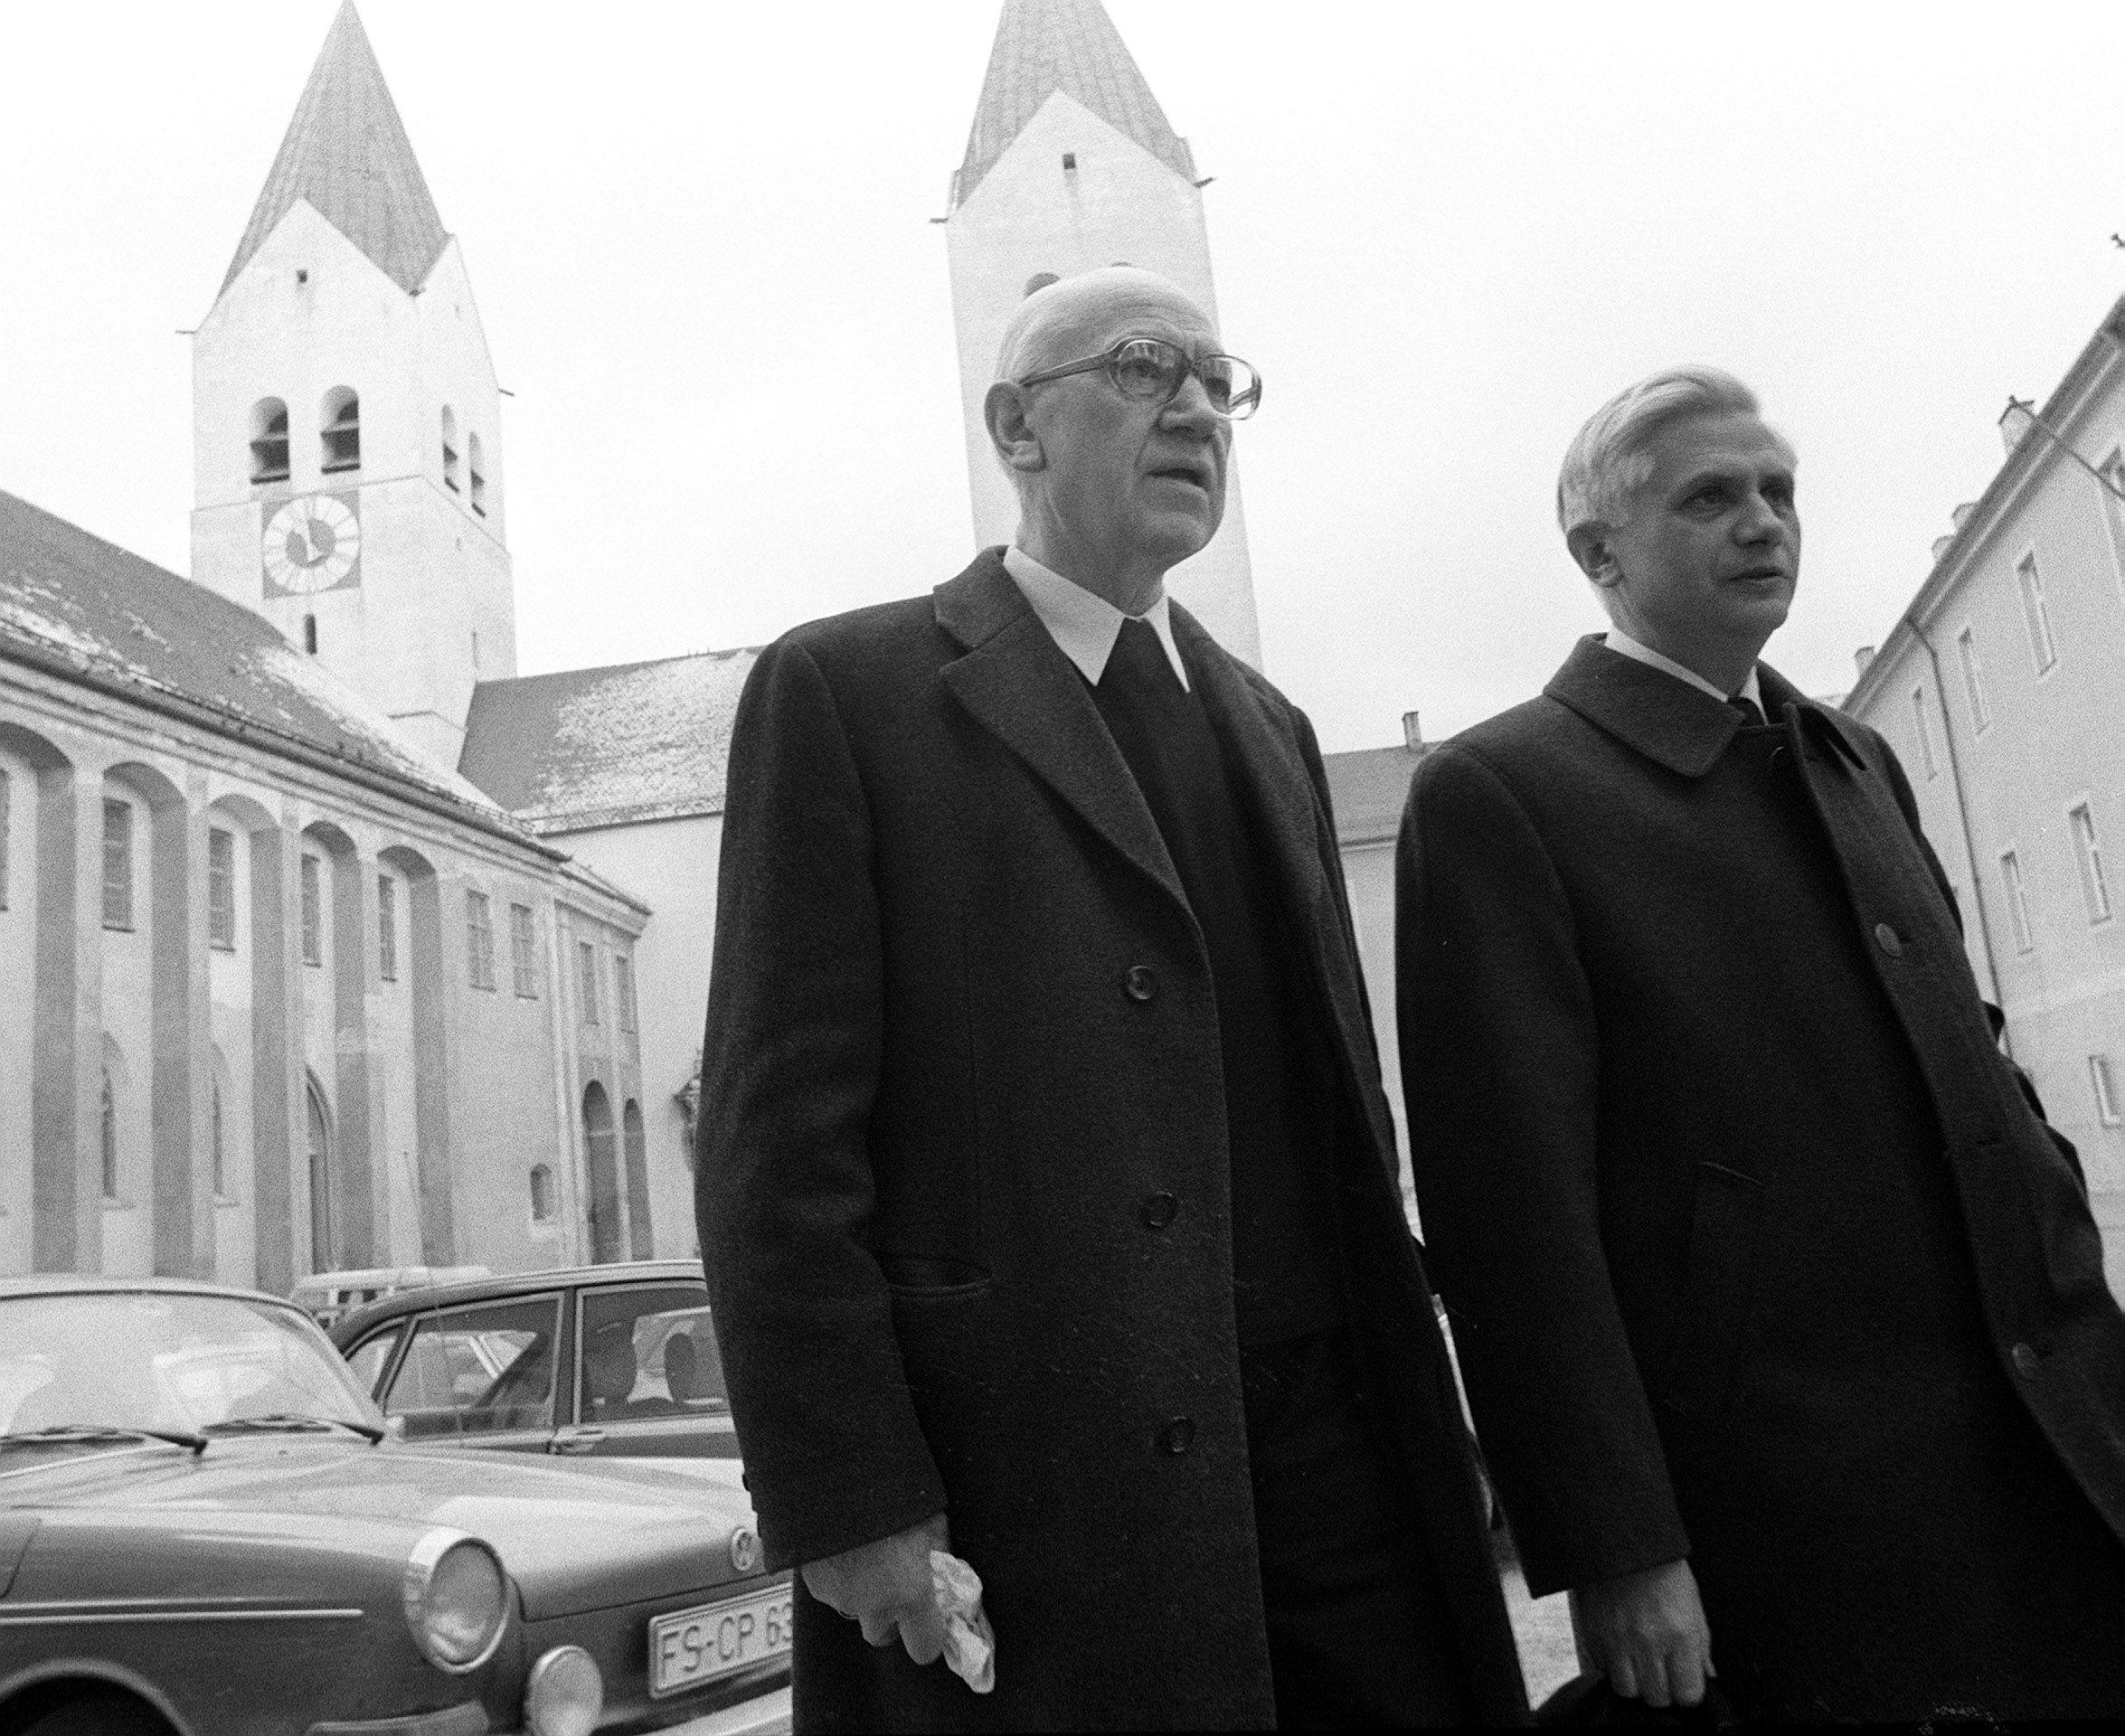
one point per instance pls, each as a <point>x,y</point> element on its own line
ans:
<point>1717,1283</point>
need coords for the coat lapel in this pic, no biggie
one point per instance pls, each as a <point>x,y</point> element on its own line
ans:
<point>1016,684</point>
<point>1265,758</point>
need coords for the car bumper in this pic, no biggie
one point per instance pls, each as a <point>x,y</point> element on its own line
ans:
<point>765,1714</point>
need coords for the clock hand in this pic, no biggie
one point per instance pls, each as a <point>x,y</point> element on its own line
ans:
<point>309,545</point>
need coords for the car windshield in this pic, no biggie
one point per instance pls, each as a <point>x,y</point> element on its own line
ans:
<point>168,1362</point>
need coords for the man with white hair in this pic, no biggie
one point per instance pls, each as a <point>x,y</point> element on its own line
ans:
<point>1046,1188</point>
<point>1782,1309</point>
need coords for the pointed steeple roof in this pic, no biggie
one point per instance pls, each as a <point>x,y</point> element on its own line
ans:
<point>1043,46</point>
<point>346,152</point>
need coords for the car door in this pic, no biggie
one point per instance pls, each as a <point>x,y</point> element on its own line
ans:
<point>649,1377</point>
<point>480,1374</point>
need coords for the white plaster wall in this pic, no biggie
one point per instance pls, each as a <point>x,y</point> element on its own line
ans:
<point>671,864</point>
<point>1030,215</point>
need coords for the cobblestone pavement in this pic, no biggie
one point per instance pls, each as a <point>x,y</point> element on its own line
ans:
<point>1542,1625</point>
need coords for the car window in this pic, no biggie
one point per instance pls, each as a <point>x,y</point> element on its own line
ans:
<point>478,1369</point>
<point>367,1359</point>
<point>648,1351</point>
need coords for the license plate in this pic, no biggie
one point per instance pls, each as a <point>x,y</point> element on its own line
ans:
<point>693,1645</point>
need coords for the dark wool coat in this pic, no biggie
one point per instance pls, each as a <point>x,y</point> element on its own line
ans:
<point>961,1055</point>
<point>1756,1250</point>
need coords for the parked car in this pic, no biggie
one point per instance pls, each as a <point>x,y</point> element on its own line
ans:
<point>599,1361</point>
<point>208,1529</point>
<point>326,1295</point>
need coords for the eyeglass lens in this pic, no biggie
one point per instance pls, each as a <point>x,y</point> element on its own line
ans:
<point>1148,367</point>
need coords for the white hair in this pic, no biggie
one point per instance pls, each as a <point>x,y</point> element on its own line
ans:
<point>1609,459</point>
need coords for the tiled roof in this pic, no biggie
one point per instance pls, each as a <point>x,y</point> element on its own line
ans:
<point>85,609</point>
<point>1368,787</point>
<point>615,746</point>
<point>1043,46</point>
<point>346,152</point>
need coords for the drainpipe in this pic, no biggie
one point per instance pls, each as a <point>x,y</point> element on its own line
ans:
<point>1963,807</point>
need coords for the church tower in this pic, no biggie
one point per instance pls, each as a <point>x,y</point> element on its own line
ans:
<point>1071,165</point>
<point>347,435</point>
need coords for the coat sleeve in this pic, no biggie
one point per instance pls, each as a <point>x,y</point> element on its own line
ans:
<point>1500,1067</point>
<point>784,1190</point>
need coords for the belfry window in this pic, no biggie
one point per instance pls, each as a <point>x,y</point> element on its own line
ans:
<point>479,475</point>
<point>341,432</point>
<point>268,440</point>
<point>450,451</point>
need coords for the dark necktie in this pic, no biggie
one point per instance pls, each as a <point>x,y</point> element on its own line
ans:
<point>1139,663</point>
<point>1745,708</point>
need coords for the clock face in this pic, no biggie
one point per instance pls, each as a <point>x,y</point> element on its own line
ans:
<point>311,543</point>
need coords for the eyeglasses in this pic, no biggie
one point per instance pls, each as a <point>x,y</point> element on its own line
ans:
<point>1153,371</point>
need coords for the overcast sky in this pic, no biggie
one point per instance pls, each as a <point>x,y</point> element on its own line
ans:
<point>699,235</point>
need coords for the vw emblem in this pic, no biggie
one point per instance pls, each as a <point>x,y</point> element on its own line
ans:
<point>744,1550</point>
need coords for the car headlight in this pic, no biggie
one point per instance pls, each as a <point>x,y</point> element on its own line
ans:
<point>457,1600</point>
<point>565,1694</point>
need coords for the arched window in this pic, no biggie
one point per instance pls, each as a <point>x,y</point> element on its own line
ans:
<point>634,1149</point>
<point>541,1194</point>
<point>342,433</point>
<point>268,440</point>
<point>449,451</point>
<point>603,1163</point>
<point>111,1138</point>
<point>319,1140</point>
<point>221,1168</point>
<point>479,475</point>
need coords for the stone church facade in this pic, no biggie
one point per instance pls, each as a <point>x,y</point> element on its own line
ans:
<point>334,941</point>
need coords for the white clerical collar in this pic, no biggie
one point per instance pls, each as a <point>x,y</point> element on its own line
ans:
<point>1619,640</point>
<point>1084,625</point>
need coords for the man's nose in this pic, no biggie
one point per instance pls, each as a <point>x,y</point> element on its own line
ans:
<point>1759,520</point>
<point>1190,407</point>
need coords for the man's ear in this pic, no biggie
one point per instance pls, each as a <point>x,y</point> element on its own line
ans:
<point>1003,411</point>
<point>1595,553</point>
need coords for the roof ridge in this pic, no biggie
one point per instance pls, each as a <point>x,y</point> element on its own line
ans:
<point>347,153</point>
<point>1043,46</point>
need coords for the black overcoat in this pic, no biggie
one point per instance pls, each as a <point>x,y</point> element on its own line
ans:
<point>1755,1250</point>
<point>960,1041</point>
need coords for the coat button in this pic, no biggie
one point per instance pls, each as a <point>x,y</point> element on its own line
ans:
<point>2026,1360</point>
<point>1158,1210</point>
<point>1141,984</point>
<point>1177,1436</point>
<point>1886,938</point>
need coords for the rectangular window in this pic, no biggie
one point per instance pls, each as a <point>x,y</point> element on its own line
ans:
<point>2018,902</point>
<point>623,990</point>
<point>220,888</point>
<point>586,972</point>
<point>1973,678</point>
<point>480,940</point>
<point>2036,616</point>
<point>1923,725</point>
<point>117,865</point>
<point>523,958</point>
<point>2106,1093</point>
<point>2113,475</point>
<point>2095,893</point>
<point>313,910</point>
<point>387,927</point>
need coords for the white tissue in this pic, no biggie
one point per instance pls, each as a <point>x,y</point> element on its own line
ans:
<point>970,1644</point>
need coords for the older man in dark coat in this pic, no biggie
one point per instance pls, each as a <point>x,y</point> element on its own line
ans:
<point>1783,1312</point>
<point>1046,1188</point>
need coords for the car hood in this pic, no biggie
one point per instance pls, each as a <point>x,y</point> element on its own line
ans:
<point>574,1538</point>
